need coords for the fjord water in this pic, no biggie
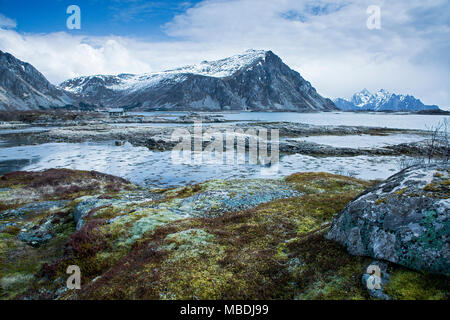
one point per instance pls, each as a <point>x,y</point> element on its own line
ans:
<point>366,119</point>
<point>362,141</point>
<point>383,120</point>
<point>143,166</point>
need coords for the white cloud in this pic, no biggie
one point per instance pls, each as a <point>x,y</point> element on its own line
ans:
<point>327,41</point>
<point>6,22</point>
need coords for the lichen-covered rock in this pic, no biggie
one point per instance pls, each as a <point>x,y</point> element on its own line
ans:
<point>85,206</point>
<point>231,196</point>
<point>404,220</point>
<point>34,209</point>
<point>34,238</point>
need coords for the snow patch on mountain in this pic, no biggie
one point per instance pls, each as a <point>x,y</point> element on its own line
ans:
<point>129,82</point>
<point>225,67</point>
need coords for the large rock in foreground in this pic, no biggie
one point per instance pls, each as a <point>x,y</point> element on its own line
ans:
<point>404,220</point>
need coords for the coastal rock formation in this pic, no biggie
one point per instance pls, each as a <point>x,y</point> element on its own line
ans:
<point>405,220</point>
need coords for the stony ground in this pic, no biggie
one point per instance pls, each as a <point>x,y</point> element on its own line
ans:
<point>242,239</point>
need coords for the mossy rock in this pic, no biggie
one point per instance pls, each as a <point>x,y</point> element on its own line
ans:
<point>404,220</point>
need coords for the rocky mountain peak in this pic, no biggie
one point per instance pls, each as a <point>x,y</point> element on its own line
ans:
<point>23,87</point>
<point>252,80</point>
<point>382,100</point>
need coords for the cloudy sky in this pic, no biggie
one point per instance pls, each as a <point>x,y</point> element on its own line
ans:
<point>327,41</point>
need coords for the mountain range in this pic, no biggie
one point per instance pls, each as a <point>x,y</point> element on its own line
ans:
<point>382,101</point>
<point>255,81</point>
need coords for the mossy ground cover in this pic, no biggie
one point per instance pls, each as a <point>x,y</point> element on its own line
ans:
<point>409,285</point>
<point>160,248</point>
<point>31,201</point>
<point>273,251</point>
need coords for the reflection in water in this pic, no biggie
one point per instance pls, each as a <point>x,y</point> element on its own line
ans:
<point>13,165</point>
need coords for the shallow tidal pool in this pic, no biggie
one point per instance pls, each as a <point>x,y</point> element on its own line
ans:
<point>156,169</point>
<point>363,141</point>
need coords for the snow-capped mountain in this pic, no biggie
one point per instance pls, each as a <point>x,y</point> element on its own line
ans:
<point>22,87</point>
<point>254,80</point>
<point>382,101</point>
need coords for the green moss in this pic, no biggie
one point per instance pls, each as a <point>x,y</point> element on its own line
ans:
<point>329,272</point>
<point>12,230</point>
<point>190,237</point>
<point>109,212</point>
<point>410,285</point>
<point>188,191</point>
<point>431,187</point>
<point>4,236</point>
<point>18,269</point>
<point>439,187</point>
<point>313,182</point>
<point>14,284</point>
<point>237,255</point>
<point>149,221</point>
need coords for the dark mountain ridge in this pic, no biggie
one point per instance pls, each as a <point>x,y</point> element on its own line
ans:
<point>23,87</point>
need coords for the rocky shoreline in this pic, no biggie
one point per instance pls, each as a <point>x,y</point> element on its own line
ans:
<point>159,137</point>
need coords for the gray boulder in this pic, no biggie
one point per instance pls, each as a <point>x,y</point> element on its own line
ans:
<point>404,220</point>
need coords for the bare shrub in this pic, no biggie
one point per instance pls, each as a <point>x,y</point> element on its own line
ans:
<point>437,146</point>
<point>406,162</point>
